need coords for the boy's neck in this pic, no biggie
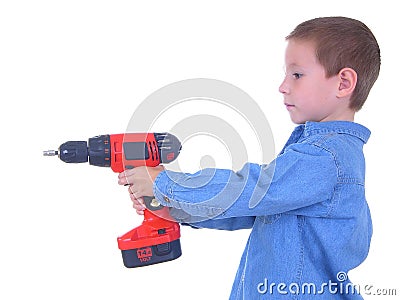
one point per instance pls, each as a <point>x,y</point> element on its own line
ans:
<point>345,115</point>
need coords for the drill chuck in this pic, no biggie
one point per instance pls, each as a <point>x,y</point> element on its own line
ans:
<point>96,151</point>
<point>73,152</point>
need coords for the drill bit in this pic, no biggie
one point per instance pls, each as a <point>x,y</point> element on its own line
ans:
<point>50,153</point>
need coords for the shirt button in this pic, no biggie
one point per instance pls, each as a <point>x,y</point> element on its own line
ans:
<point>166,199</point>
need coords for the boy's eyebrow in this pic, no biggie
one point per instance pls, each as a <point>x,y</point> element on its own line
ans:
<point>293,65</point>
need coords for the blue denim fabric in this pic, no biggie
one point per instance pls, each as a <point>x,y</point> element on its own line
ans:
<point>307,209</point>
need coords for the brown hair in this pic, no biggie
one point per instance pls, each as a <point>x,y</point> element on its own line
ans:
<point>342,42</point>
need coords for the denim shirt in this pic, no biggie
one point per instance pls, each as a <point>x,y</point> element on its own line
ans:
<point>307,210</point>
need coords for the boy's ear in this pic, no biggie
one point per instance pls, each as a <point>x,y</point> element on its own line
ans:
<point>347,82</point>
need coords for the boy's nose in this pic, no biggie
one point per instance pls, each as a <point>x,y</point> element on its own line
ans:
<point>283,88</point>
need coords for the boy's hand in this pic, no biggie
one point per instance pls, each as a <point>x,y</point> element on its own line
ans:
<point>140,181</point>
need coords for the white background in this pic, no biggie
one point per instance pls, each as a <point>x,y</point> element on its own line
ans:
<point>74,69</point>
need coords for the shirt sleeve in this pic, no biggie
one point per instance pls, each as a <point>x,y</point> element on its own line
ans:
<point>303,175</point>
<point>230,224</point>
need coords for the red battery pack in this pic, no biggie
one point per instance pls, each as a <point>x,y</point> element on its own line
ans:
<point>156,240</point>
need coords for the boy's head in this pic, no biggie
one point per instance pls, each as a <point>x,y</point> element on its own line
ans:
<point>340,43</point>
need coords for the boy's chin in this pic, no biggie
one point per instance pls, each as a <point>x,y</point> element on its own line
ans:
<point>297,121</point>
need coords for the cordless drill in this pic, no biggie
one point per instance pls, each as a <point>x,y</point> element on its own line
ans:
<point>156,240</point>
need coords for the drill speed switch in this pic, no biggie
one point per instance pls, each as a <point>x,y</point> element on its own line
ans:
<point>157,238</point>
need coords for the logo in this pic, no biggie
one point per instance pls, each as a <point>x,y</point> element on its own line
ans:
<point>144,254</point>
<point>332,287</point>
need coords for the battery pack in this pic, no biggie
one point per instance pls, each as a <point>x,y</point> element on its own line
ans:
<point>156,240</point>
<point>151,255</point>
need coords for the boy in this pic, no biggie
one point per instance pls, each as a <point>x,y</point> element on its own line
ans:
<point>307,209</point>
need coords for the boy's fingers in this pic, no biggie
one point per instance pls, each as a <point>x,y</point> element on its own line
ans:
<point>124,178</point>
<point>134,192</point>
<point>139,211</point>
<point>137,201</point>
<point>130,189</point>
<point>141,201</point>
<point>127,172</point>
<point>138,205</point>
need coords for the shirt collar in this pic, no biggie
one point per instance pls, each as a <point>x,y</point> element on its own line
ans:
<point>347,127</point>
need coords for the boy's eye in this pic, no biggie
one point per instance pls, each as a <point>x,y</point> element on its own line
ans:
<point>297,75</point>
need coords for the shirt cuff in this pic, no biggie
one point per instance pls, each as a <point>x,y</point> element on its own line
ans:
<point>163,188</point>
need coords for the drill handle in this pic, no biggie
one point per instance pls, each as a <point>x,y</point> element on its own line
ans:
<point>151,203</point>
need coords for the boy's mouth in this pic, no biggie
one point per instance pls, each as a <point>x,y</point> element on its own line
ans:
<point>289,106</point>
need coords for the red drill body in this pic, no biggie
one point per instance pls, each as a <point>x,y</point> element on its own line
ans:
<point>157,238</point>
